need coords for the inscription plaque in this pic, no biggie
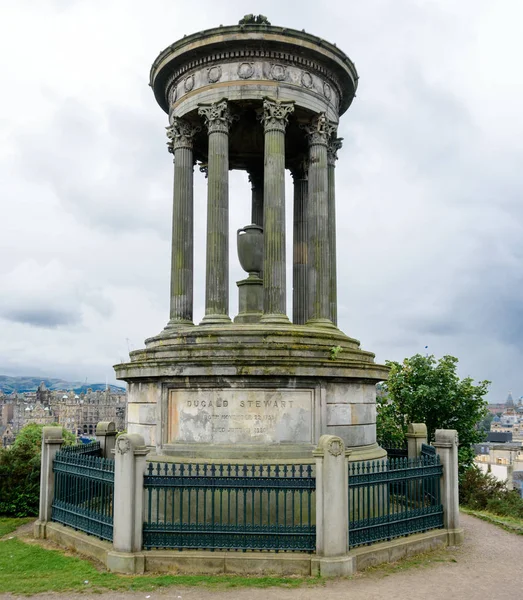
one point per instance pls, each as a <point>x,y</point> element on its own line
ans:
<point>248,416</point>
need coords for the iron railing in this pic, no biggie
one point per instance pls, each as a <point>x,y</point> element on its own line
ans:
<point>90,449</point>
<point>230,507</point>
<point>84,492</point>
<point>393,498</point>
<point>395,449</point>
<point>429,451</point>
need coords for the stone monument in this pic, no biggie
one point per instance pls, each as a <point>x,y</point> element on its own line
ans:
<point>262,99</point>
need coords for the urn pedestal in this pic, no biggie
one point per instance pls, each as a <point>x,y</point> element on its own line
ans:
<point>250,290</point>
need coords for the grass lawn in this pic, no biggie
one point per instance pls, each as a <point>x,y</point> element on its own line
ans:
<point>27,568</point>
<point>8,524</point>
<point>508,523</point>
<point>30,569</point>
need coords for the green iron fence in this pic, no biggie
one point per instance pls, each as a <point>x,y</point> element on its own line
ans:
<point>427,450</point>
<point>393,498</point>
<point>84,490</point>
<point>90,449</point>
<point>230,507</point>
<point>395,449</point>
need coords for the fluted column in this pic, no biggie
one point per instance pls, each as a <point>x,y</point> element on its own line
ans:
<point>319,131</point>
<point>256,179</point>
<point>332,155</point>
<point>299,246</point>
<point>274,118</point>
<point>217,119</point>
<point>180,144</point>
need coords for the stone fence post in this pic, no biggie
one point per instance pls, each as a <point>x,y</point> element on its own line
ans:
<point>51,443</point>
<point>106,435</point>
<point>446,444</point>
<point>416,436</point>
<point>129,469</point>
<point>332,508</point>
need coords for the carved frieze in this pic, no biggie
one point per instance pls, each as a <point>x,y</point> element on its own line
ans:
<point>214,74</point>
<point>245,70</point>
<point>306,75</point>
<point>188,84</point>
<point>307,80</point>
<point>278,72</point>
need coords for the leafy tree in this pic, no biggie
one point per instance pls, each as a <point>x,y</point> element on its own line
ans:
<point>20,471</point>
<point>422,389</point>
<point>486,423</point>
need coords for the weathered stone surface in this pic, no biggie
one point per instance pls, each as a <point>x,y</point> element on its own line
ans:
<point>240,416</point>
<point>260,99</point>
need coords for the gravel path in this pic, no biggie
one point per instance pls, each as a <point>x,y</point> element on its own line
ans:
<point>487,567</point>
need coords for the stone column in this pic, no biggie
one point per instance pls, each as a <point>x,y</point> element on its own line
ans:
<point>106,434</point>
<point>274,118</point>
<point>319,263</point>
<point>299,246</point>
<point>180,135</point>
<point>51,443</point>
<point>218,119</point>
<point>446,444</point>
<point>416,436</point>
<point>332,155</point>
<point>256,179</point>
<point>129,469</point>
<point>332,508</point>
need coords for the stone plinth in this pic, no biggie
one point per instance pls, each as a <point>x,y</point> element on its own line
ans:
<point>247,391</point>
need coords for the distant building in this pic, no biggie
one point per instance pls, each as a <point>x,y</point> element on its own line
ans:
<point>500,460</point>
<point>7,437</point>
<point>499,437</point>
<point>78,413</point>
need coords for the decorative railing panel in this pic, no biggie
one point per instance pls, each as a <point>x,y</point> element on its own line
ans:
<point>394,449</point>
<point>230,507</point>
<point>393,498</point>
<point>90,449</point>
<point>84,492</point>
<point>428,451</point>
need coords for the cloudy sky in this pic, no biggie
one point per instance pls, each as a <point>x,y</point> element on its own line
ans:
<point>429,181</point>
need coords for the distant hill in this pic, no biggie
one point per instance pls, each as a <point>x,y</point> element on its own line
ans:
<point>30,384</point>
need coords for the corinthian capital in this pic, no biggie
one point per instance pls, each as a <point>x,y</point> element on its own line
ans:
<point>319,130</point>
<point>180,134</point>
<point>334,144</point>
<point>275,114</point>
<point>300,168</point>
<point>218,117</point>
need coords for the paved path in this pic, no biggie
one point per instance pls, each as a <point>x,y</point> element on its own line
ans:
<point>487,567</point>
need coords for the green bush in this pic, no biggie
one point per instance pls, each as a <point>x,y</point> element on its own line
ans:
<point>20,472</point>
<point>480,491</point>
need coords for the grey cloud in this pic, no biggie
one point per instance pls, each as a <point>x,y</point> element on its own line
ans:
<point>41,317</point>
<point>104,168</point>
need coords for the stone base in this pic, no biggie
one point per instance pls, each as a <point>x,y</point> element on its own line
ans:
<point>337,566</point>
<point>248,563</point>
<point>250,300</point>
<point>245,390</point>
<point>125,562</point>
<point>39,530</point>
<point>456,537</point>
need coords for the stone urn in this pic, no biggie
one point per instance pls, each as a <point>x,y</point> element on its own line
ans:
<point>250,249</point>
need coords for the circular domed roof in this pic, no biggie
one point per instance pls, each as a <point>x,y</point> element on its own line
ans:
<point>261,53</point>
